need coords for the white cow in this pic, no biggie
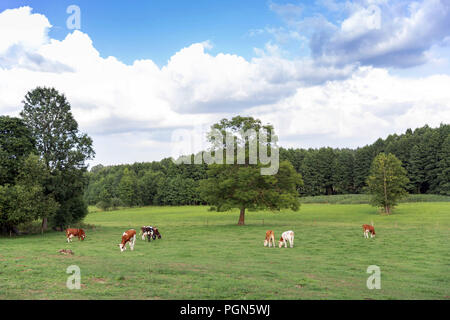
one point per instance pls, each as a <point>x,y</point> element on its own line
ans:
<point>286,236</point>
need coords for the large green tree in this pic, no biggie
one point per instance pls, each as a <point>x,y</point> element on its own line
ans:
<point>63,149</point>
<point>387,181</point>
<point>231,184</point>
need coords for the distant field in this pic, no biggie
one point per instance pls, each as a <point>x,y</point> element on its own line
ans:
<point>364,198</point>
<point>204,255</point>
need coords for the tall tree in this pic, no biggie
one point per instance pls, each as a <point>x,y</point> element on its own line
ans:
<point>242,186</point>
<point>387,181</point>
<point>63,149</point>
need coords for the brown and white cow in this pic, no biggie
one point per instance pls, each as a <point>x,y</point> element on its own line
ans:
<point>368,228</point>
<point>156,233</point>
<point>287,236</point>
<point>270,238</point>
<point>70,233</point>
<point>129,237</point>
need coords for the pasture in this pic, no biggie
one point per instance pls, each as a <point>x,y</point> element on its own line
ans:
<point>205,255</point>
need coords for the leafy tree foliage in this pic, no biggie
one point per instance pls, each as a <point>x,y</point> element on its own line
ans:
<point>64,150</point>
<point>423,152</point>
<point>243,186</point>
<point>25,200</point>
<point>387,181</point>
<point>16,143</point>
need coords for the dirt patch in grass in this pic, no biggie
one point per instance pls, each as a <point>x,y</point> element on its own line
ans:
<point>99,280</point>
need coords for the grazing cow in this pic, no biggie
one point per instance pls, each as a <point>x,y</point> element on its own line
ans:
<point>270,238</point>
<point>70,233</point>
<point>129,237</point>
<point>368,228</point>
<point>286,236</point>
<point>150,232</point>
<point>146,231</point>
<point>156,233</point>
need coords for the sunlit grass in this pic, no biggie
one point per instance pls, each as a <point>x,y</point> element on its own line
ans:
<point>205,255</point>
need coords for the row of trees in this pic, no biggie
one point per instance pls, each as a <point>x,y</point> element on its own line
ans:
<point>424,154</point>
<point>42,167</point>
<point>139,184</point>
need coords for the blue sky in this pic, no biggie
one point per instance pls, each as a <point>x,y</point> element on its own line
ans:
<point>138,74</point>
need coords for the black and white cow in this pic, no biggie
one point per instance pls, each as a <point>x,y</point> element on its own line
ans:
<point>147,231</point>
<point>150,232</point>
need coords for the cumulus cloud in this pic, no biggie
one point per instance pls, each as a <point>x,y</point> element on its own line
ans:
<point>377,33</point>
<point>356,111</point>
<point>20,41</point>
<point>132,110</point>
<point>380,36</point>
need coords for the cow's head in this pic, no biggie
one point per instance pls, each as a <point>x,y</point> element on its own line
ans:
<point>280,243</point>
<point>82,234</point>
<point>122,247</point>
<point>266,243</point>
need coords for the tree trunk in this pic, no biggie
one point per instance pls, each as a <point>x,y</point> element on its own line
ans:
<point>241,217</point>
<point>44,225</point>
<point>386,206</point>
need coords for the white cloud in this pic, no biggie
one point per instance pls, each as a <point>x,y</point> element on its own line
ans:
<point>14,32</point>
<point>131,110</point>
<point>357,111</point>
<point>386,34</point>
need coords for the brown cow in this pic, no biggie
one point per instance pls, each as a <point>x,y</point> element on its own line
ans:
<point>129,237</point>
<point>368,228</point>
<point>70,233</point>
<point>270,238</point>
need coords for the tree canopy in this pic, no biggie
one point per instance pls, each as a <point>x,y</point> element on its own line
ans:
<point>235,185</point>
<point>63,149</point>
<point>387,181</point>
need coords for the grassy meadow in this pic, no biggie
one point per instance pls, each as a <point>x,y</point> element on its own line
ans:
<point>205,255</point>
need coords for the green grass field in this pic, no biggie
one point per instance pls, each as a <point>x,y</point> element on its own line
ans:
<point>205,255</point>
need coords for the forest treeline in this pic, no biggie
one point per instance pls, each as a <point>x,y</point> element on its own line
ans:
<point>424,153</point>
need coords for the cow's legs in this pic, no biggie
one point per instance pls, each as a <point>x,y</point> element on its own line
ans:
<point>132,240</point>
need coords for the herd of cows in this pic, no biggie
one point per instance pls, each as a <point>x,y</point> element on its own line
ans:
<point>128,236</point>
<point>288,236</point>
<point>150,232</point>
